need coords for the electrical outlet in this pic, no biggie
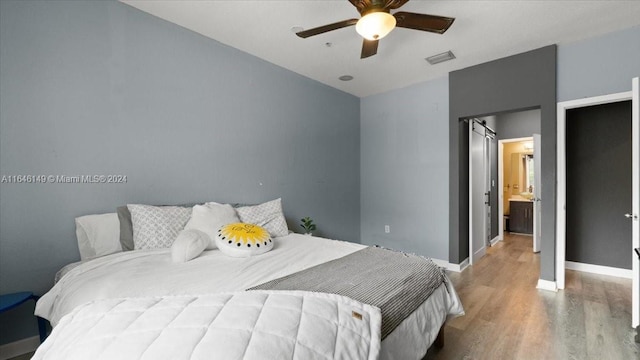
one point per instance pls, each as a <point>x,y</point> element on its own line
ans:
<point>387,229</point>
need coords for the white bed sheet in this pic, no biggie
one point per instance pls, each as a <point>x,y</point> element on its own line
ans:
<point>152,273</point>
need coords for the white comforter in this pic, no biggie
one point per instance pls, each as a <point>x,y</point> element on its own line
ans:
<point>150,273</point>
<point>252,325</point>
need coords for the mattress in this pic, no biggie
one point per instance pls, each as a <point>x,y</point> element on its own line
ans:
<point>144,273</point>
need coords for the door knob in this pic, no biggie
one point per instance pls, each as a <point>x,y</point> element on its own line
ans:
<point>631,216</point>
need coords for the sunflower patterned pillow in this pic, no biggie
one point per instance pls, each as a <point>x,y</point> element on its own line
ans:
<point>243,240</point>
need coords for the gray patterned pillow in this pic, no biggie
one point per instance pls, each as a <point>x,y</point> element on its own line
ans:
<point>157,227</point>
<point>268,215</point>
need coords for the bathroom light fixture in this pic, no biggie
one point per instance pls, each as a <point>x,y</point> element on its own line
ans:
<point>346,78</point>
<point>375,25</point>
<point>445,56</point>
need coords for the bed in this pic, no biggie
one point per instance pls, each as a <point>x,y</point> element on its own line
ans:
<point>135,274</point>
<point>232,282</point>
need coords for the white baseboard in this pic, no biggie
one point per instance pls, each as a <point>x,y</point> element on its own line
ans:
<point>459,267</point>
<point>451,267</point>
<point>480,253</point>
<point>547,285</point>
<point>517,233</point>
<point>441,263</point>
<point>496,240</point>
<point>16,348</point>
<point>599,269</point>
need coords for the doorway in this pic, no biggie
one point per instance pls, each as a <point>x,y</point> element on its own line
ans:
<point>517,124</point>
<point>565,204</point>
<point>519,184</point>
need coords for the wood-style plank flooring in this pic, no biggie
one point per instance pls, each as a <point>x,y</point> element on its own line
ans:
<point>508,318</point>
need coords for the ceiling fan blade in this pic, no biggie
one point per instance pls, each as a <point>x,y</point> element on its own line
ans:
<point>369,48</point>
<point>424,22</point>
<point>326,28</point>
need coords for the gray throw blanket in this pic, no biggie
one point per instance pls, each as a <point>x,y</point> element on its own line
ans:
<point>395,282</point>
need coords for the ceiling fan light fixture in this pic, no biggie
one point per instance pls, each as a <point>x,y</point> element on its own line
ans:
<point>375,25</point>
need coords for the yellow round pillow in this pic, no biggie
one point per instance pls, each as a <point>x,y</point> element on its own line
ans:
<point>243,240</point>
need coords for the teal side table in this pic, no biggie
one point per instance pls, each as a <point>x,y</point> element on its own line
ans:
<point>10,301</point>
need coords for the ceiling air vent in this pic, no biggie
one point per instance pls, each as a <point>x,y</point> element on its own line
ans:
<point>445,56</point>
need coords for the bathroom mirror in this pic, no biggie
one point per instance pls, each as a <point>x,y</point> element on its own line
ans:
<point>521,172</point>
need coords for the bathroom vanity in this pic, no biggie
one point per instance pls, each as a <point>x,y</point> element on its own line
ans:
<point>521,216</point>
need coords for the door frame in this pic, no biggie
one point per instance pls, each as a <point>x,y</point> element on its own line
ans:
<point>635,205</point>
<point>501,181</point>
<point>537,195</point>
<point>561,171</point>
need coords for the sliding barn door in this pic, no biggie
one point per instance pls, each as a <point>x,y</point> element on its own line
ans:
<point>480,186</point>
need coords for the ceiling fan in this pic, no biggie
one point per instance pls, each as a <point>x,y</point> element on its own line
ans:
<point>376,22</point>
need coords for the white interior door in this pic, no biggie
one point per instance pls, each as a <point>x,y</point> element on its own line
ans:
<point>537,182</point>
<point>635,202</point>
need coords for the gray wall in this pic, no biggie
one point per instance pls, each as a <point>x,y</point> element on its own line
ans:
<point>518,124</point>
<point>599,66</point>
<point>599,185</point>
<point>519,82</point>
<point>404,169</point>
<point>98,87</point>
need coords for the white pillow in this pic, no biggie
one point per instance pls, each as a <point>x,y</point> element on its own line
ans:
<point>209,217</point>
<point>243,240</point>
<point>98,235</point>
<point>188,245</point>
<point>268,215</point>
<point>157,227</point>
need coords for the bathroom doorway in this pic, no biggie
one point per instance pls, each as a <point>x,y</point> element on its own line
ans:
<point>519,186</point>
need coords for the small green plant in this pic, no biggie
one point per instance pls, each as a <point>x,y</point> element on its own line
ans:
<point>308,225</point>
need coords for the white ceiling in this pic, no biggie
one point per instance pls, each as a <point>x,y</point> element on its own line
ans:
<point>482,31</point>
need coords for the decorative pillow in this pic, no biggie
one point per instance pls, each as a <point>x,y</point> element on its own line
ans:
<point>156,227</point>
<point>243,240</point>
<point>98,235</point>
<point>268,215</point>
<point>209,217</point>
<point>126,227</point>
<point>188,245</point>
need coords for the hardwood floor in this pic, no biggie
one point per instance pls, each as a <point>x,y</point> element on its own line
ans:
<point>508,318</point>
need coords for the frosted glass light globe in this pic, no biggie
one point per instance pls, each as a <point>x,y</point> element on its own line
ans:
<point>375,25</point>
